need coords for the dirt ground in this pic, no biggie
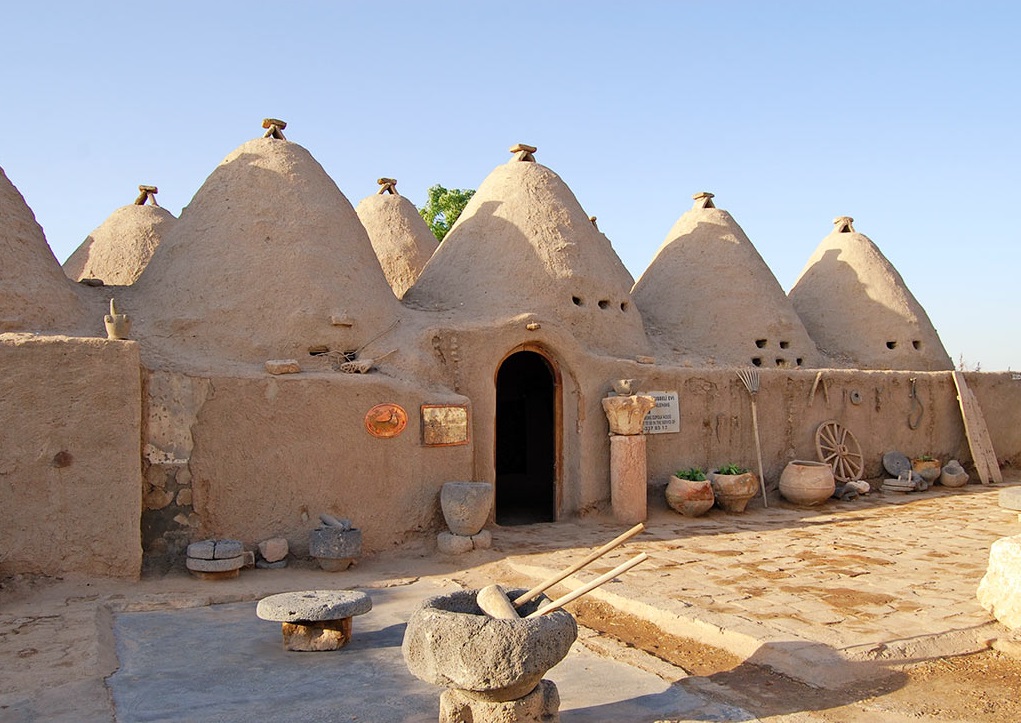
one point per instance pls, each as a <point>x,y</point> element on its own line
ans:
<point>982,687</point>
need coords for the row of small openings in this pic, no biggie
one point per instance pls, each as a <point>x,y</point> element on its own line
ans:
<point>602,303</point>
<point>761,344</point>
<point>915,344</point>
<point>780,362</point>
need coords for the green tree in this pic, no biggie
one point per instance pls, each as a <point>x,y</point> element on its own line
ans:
<point>443,208</point>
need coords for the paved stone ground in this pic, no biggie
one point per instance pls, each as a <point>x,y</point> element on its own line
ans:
<point>824,595</point>
<point>827,596</point>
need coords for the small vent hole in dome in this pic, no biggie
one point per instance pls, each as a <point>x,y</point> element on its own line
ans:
<point>761,343</point>
<point>757,361</point>
<point>891,345</point>
<point>785,344</point>
<point>916,344</point>
<point>604,304</point>
<point>798,361</point>
<point>577,300</point>
<point>623,306</point>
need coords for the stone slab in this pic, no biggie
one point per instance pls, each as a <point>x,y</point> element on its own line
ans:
<point>226,565</point>
<point>1010,498</point>
<point>273,549</point>
<point>313,605</point>
<point>222,663</point>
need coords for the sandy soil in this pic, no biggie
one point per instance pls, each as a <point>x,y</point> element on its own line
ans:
<point>982,687</point>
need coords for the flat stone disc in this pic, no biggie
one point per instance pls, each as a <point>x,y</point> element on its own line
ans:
<point>896,463</point>
<point>313,605</point>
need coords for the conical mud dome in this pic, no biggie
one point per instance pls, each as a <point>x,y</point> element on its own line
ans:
<point>708,293</point>
<point>523,244</point>
<point>34,293</point>
<point>400,237</point>
<point>268,261</point>
<point>119,249</point>
<point>858,309</point>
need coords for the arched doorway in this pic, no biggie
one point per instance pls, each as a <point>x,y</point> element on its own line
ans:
<point>527,447</point>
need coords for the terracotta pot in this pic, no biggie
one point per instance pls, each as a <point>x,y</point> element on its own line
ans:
<point>690,497</point>
<point>466,506</point>
<point>929,469</point>
<point>807,483</point>
<point>733,491</point>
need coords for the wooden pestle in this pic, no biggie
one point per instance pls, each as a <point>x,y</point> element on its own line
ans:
<point>551,581</point>
<point>495,603</point>
<point>588,587</point>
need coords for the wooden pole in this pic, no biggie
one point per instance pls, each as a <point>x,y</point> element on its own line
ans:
<point>575,594</point>
<point>758,452</point>
<point>551,581</point>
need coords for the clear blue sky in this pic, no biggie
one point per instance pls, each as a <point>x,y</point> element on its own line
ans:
<point>903,115</point>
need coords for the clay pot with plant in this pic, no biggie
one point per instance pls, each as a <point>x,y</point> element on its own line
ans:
<point>733,487</point>
<point>927,466</point>
<point>690,492</point>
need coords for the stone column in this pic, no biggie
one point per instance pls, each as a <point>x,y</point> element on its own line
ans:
<point>628,470</point>
<point>628,478</point>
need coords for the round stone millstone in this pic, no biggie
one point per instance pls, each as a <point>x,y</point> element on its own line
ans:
<point>215,549</point>
<point>313,606</point>
<point>224,565</point>
<point>450,642</point>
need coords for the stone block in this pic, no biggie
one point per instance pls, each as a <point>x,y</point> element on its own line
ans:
<point>1000,589</point>
<point>215,549</point>
<point>483,540</point>
<point>283,366</point>
<point>542,705</point>
<point>316,637</point>
<point>448,543</point>
<point>273,549</point>
<point>202,550</point>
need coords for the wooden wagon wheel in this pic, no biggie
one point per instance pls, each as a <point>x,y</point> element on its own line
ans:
<point>838,448</point>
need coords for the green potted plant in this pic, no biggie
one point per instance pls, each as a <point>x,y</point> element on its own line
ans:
<point>733,486</point>
<point>690,492</point>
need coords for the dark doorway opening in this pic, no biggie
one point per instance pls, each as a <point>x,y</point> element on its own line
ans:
<point>526,445</point>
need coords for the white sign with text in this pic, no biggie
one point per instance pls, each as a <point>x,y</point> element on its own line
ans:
<point>665,416</point>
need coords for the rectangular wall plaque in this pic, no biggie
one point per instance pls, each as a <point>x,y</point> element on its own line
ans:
<point>666,416</point>
<point>444,425</point>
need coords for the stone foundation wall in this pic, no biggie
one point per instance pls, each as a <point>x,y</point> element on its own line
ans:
<point>70,472</point>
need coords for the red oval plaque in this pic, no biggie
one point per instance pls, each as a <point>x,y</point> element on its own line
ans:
<point>386,420</point>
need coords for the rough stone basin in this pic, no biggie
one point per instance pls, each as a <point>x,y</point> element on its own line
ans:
<point>450,642</point>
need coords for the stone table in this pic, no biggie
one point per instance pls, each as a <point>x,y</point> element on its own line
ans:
<point>314,620</point>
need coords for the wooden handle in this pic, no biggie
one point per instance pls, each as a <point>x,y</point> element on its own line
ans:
<point>551,581</point>
<point>575,594</point>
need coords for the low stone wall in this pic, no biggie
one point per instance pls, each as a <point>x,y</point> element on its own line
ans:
<point>70,476</point>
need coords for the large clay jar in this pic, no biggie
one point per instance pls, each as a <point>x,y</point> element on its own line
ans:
<point>733,491</point>
<point>690,497</point>
<point>466,506</point>
<point>807,483</point>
